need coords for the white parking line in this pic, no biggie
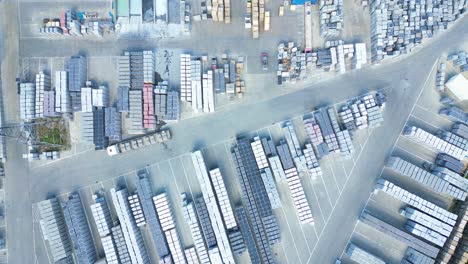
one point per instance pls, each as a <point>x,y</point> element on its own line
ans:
<point>284,252</point>
<point>186,179</point>
<point>412,154</point>
<point>333,208</point>
<point>316,199</point>
<point>334,177</point>
<point>326,190</point>
<point>173,176</point>
<point>292,236</point>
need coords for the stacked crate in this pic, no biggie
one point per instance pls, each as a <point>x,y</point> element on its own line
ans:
<point>148,106</point>
<point>166,219</point>
<point>54,229</point>
<point>109,250</point>
<point>208,93</point>
<point>255,18</point>
<point>87,127</point>
<point>431,181</point>
<point>101,215</point>
<point>430,222</point>
<point>148,67</point>
<point>213,209</point>
<point>456,114</point>
<point>435,143</point>
<point>426,233</point>
<point>86,99</point>
<point>49,104</point>
<point>101,96</point>
<point>62,96</point>
<point>300,201</point>
<point>185,78</point>
<point>394,232</point>
<point>27,101</point>
<point>270,188</point>
<point>188,210</point>
<point>42,85</point>
<point>312,163</point>
<point>173,105</point>
<point>223,198</point>
<point>259,153</point>
<point>191,256</point>
<point>331,18</point>
<point>196,84</point>
<point>247,235</point>
<point>416,201</point>
<point>359,255</point>
<point>120,245</point>
<point>77,69</point>
<point>360,57</point>
<point>314,132</point>
<point>452,177</point>
<point>227,11</point>
<point>440,77</point>
<point>346,145</point>
<point>160,101</point>
<point>455,139</point>
<point>124,70</point>
<point>136,111</point>
<point>78,230</point>
<point>113,124</point>
<point>277,168</point>
<point>414,256</point>
<point>122,99</point>
<point>134,240</point>
<point>137,212</point>
<point>325,123</point>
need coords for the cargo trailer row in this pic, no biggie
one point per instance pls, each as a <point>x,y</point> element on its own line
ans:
<point>398,27</point>
<point>216,217</point>
<point>433,142</point>
<point>425,178</point>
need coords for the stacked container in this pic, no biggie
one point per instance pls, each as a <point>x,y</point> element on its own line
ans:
<point>270,187</point>
<point>101,215</point>
<point>300,201</point>
<point>27,101</point>
<point>223,198</point>
<point>149,121</point>
<point>185,78</point>
<point>259,153</point>
<point>101,97</point>
<point>62,96</point>
<point>86,99</point>
<point>148,67</point>
<point>160,100</point>
<point>136,111</point>
<point>173,105</point>
<point>359,255</point>
<point>49,104</point>
<point>137,212</point>
<point>196,84</point>
<point>331,18</point>
<point>42,84</point>
<point>188,210</point>
<point>113,124</point>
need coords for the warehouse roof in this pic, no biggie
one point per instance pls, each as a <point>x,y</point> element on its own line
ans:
<point>458,85</point>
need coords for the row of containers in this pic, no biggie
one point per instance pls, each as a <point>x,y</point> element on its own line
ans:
<point>220,231</point>
<point>431,233</point>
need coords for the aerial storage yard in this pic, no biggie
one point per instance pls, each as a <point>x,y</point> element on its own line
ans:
<point>221,131</point>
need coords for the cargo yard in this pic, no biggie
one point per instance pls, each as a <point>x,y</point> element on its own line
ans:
<point>225,131</point>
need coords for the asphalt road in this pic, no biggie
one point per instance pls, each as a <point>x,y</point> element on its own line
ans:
<point>404,77</point>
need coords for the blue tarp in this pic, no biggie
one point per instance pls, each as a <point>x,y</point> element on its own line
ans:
<point>301,2</point>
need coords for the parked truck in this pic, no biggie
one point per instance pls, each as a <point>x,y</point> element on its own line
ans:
<point>139,142</point>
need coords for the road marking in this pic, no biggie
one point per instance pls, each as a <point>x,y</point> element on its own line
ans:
<point>326,190</point>
<point>292,236</point>
<point>333,175</point>
<point>414,155</point>
<point>346,183</point>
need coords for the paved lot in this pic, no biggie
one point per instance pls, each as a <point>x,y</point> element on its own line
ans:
<point>321,244</point>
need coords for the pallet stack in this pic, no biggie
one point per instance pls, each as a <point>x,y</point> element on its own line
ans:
<point>255,18</point>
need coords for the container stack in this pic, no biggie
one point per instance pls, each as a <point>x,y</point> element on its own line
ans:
<point>270,187</point>
<point>149,121</point>
<point>206,227</point>
<point>196,84</point>
<point>62,96</point>
<point>86,99</point>
<point>77,69</point>
<point>100,140</point>
<point>398,27</point>
<point>460,60</point>
<point>323,119</point>
<point>452,177</point>
<point>429,180</point>
<point>359,255</point>
<point>173,106</point>
<point>331,18</point>
<point>122,99</point>
<point>414,256</point>
<point>259,153</point>
<point>213,209</point>
<point>113,124</point>
<point>136,209</point>
<point>460,129</point>
<point>294,146</point>
<point>42,85</point>
<point>49,103</point>
<point>78,230</point>
<point>223,198</point>
<point>191,256</point>
<point>101,97</point>
<point>188,210</point>
<point>101,215</point>
<point>394,232</point>
<point>312,163</point>
<point>361,113</point>
<point>87,127</point>
<point>360,57</point>
<point>291,63</point>
<point>120,244</point>
<point>27,101</point>
<point>255,18</point>
<point>124,70</point>
<point>456,114</point>
<point>416,201</point>
<point>185,78</point>
<point>160,100</point>
<point>451,163</point>
<point>435,143</point>
<point>346,145</point>
<point>136,69</point>
<point>135,245</point>
<point>54,229</point>
<point>247,234</point>
<point>426,233</point>
<point>208,93</point>
<point>454,250</point>
<point>315,135</point>
<point>300,201</point>
<point>277,168</point>
<point>145,194</point>
<point>440,77</point>
<point>148,67</point>
<point>227,11</point>
<point>166,219</point>
<point>455,139</point>
<point>109,249</point>
<point>416,216</point>
<point>136,111</point>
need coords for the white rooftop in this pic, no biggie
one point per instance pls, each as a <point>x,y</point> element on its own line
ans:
<point>458,85</point>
